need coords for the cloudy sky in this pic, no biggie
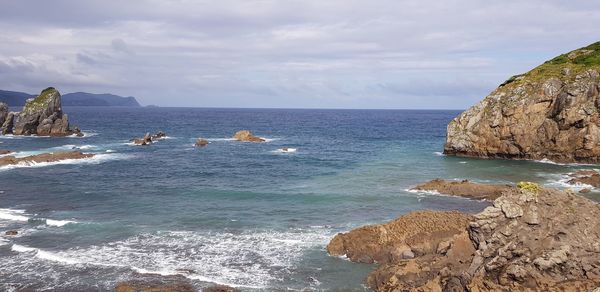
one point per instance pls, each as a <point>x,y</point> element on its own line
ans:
<point>286,53</point>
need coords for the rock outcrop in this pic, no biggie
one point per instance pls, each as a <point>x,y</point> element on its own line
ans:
<point>43,116</point>
<point>531,239</point>
<point>412,234</point>
<point>551,112</point>
<point>156,283</point>
<point>464,189</point>
<point>200,142</point>
<point>247,136</point>
<point>45,157</point>
<point>149,139</point>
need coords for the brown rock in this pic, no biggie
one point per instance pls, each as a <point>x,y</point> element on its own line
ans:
<point>542,114</point>
<point>45,157</point>
<point>247,136</point>
<point>585,191</point>
<point>588,177</point>
<point>201,142</point>
<point>156,283</point>
<point>417,232</point>
<point>220,288</point>
<point>553,246</point>
<point>464,189</point>
<point>11,232</point>
<point>149,138</point>
<point>4,151</point>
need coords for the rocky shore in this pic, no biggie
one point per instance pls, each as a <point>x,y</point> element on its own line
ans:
<point>530,239</point>
<point>45,157</point>
<point>551,112</point>
<point>464,189</point>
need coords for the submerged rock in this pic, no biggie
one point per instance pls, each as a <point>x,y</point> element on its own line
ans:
<point>4,151</point>
<point>531,239</point>
<point>156,283</point>
<point>588,177</point>
<point>43,116</point>
<point>464,188</point>
<point>45,157</point>
<point>247,136</point>
<point>201,142</point>
<point>220,288</point>
<point>551,112</point>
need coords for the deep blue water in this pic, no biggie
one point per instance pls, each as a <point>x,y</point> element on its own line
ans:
<point>242,214</point>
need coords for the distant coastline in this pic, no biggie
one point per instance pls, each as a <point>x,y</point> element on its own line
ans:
<point>16,98</point>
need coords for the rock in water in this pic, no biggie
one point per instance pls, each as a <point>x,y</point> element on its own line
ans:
<point>3,112</point>
<point>201,142</point>
<point>43,116</point>
<point>247,136</point>
<point>552,112</point>
<point>9,124</point>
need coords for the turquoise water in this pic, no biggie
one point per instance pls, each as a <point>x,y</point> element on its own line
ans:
<point>242,214</point>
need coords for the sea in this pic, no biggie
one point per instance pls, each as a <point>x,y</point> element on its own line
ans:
<point>247,215</point>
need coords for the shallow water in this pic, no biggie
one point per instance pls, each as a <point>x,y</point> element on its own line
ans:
<point>243,214</point>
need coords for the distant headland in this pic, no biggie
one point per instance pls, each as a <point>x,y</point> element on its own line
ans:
<point>15,98</point>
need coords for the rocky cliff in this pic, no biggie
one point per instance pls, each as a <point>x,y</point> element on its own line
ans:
<point>43,116</point>
<point>552,111</point>
<point>530,239</point>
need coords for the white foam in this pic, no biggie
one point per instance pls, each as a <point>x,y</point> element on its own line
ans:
<point>462,162</point>
<point>286,150</point>
<point>247,259</point>
<point>59,223</point>
<point>438,153</point>
<point>13,215</point>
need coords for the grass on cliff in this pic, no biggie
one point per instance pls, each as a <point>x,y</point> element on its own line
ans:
<point>41,99</point>
<point>576,61</point>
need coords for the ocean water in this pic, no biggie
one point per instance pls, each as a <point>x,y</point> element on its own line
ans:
<point>242,214</point>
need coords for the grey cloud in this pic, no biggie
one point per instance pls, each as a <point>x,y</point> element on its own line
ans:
<point>268,53</point>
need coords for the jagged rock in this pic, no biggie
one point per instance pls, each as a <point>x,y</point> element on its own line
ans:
<point>11,233</point>
<point>45,157</point>
<point>220,288</point>
<point>3,112</point>
<point>9,123</point>
<point>551,112</point>
<point>43,116</point>
<point>201,142</point>
<point>247,136</point>
<point>463,188</point>
<point>553,246</point>
<point>148,138</point>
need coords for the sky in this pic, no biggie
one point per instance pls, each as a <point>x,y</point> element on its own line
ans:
<point>388,54</point>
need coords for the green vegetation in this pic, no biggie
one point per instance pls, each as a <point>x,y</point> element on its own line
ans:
<point>529,186</point>
<point>575,61</point>
<point>41,100</point>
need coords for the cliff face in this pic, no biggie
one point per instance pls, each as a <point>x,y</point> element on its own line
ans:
<point>43,116</point>
<point>552,111</point>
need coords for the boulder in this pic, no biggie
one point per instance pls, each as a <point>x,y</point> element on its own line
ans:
<point>43,116</point>
<point>551,112</point>
<point>531,239</point>
<point>3,112</point>
<point>247,136</point>
<point>220,288</point>
<point>201,142</point>
<point>45,157</point>
<point>464,189</point>
<point>11,233</point>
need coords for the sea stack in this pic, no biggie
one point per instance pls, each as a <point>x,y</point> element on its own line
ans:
<point>551,112</point>
<point>43,116</point>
